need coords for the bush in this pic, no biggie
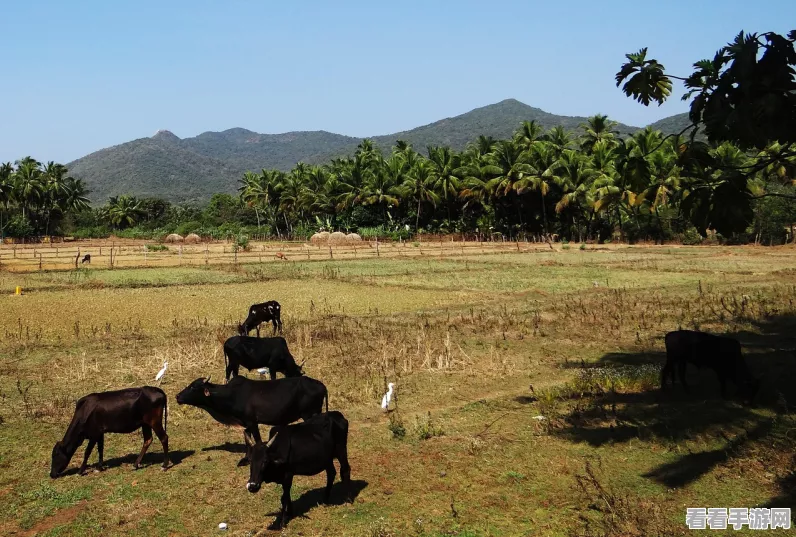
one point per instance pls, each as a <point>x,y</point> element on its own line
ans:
<point>691,237</point>
<point>582,246</point>
<point>157,248</point>
<point>19,227</point>
<point>396,426</point>
<point>425,428</point>
<point>241,243</point>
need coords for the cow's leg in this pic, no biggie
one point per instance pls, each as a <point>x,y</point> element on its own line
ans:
<point>279,320</point>
<point>258,330</point>
<point>330,475</point>
<point>272,373</point>
<point>723,385</point>
<point>147,432</point>
<point>287,505</point>
<point>681,371</point>
<point>101,452</point>
<point>667,369</point>
<point>157,426</point>
<point>90,446</point>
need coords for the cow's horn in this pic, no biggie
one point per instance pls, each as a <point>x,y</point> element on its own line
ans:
<point>271,441</point>
<point>207,380</point>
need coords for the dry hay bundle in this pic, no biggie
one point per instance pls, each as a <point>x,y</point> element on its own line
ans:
<point>193,238</point>
<point>353,237</point>
<point>321,237</point>
<point>174,238</point>
<point>337,236</point>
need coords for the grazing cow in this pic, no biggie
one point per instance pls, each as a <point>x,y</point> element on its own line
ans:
<point>719,353</point>
<point>255,352</point>
<point>280,255</point>
<point>247,403</point>
<point>120,411</point>
<point>306,448</point>
<point>262,313</point>
<point>86,259</point>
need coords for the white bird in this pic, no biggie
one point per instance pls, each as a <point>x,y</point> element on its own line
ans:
<point>263,371</point>
<point>162,371</point>
<point>385,401</point>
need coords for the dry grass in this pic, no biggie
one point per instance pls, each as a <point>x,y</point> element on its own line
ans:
<point>462,338</point>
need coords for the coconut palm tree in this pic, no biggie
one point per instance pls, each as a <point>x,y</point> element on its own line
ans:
<point>511,165</point>
<point>28,184</point>
<point>444,164</point>
<point>597,128</point>
<point>124,211</point>
<point>418,185</point>
<point>528,134</point>
<point>575,176</point>
<point>380,188</point>
<point>543,162</point>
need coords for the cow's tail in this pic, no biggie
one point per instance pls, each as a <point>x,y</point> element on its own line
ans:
<point>166,417</point>
<point>226,364</point>
<point>326,396</point>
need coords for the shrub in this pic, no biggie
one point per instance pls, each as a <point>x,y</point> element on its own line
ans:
<point>157,248</point>
<point>241,243</point>
<point>396,426</point>
<point>582,246</point>
<point>691,237</point>
<point>425,428</point>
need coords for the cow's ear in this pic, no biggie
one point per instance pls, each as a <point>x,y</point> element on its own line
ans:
<point>207,392</point>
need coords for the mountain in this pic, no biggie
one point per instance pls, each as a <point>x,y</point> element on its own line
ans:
<point>192,169</point>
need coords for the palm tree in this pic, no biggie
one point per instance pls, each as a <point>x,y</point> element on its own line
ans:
<point>528,134</point>
<point>418,186</point>
<point>380,188</point>
<point>28,183</point>
<point>6,193</point>
<point>543,163</point>
<point>476,171</point>
<point>597,128</point>
<point>124,211</point>
<point>353,174</point>
<point>511,165</point>
<point>574,174</point>
<point>559,138</point>
<point>444,164</point>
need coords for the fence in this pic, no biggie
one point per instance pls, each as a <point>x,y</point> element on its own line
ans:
<point>131,253</point>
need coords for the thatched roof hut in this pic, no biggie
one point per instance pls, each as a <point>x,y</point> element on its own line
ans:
<point>193,238</point>
<point>174,238</point>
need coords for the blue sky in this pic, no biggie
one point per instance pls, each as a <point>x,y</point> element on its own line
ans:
<point>80,76</point>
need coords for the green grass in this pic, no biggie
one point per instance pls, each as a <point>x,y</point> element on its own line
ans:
<point>464,339</point>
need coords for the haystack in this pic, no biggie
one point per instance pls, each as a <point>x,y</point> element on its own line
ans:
<point>337,236</point>
<point>321,237</point>
<point>193,238</point>
<point>174,238</point>
<point>353,237</point>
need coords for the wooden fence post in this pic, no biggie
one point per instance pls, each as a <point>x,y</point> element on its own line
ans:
<point>377,246</point>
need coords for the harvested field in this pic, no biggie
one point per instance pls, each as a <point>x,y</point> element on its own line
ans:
<point>464,330</point>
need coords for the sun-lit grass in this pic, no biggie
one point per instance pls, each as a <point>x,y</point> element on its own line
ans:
<point>480,346</point>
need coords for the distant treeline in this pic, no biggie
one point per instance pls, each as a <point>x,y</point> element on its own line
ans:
<point>591,185</point>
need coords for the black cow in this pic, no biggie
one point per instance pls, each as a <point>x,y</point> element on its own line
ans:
<point>86,259</point>
<point>246,403</point>
<point>255,352</point>
<point>306,448</point>
<point>719,353</point>
<point>262,313</point>
<point>120,411</point>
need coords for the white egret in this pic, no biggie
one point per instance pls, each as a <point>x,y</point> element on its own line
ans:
<point>385,401</point>
<point>162,371</point>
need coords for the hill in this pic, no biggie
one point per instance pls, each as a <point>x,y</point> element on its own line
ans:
<point>192,169</point>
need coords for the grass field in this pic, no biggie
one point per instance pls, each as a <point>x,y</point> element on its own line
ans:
<point>480,342</point>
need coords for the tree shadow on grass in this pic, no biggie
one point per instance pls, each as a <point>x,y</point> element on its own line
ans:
<point>312,498</point>
<point>674,416</point>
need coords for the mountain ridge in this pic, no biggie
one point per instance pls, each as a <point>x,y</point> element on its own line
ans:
<point>193,168</point>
